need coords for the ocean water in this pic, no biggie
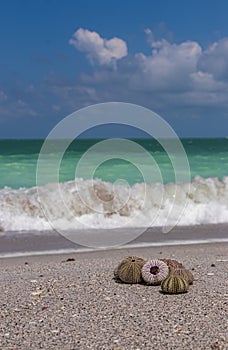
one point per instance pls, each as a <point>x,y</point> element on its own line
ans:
<point>106,201</point>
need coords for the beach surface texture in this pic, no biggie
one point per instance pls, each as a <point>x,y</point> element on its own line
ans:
<point>73,302</point>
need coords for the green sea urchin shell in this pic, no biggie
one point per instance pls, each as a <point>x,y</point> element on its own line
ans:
<point>154,271</point>
<point>184,273</point>
<point>115,272</point>
<point>174,285</point>
<point>173,264</point>
<point>129,270</point>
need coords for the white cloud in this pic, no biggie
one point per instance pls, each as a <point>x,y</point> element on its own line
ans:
<point>215,60</point>
<point>169,65</point>
<point>172,79</point>
<point>150,35</point>
<point>100,50</point>
<point>205,82</point>
<point>169,80</point>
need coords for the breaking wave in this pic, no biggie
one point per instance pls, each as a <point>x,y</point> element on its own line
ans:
<point>99,204</point>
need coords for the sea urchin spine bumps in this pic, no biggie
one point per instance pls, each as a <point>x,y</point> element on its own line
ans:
<point>129,270</point>
<point>184,273</point>
<point>174,285</point>
<point>154,271</point>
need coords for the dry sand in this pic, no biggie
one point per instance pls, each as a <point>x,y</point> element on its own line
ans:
<point>50,303</point>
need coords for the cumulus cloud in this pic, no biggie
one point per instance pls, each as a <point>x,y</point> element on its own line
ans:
<point>169,68</point>
<point>181,79</point>
<point>214,60</point>
<point>171,77</point>
<point>168,65</point>
<point>176,80</point>
<point>98,49</point>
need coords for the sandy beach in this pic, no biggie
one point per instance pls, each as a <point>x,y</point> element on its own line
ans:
<point>72,302</point>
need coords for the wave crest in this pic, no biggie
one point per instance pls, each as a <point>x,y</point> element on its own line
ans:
<point>99,204</point>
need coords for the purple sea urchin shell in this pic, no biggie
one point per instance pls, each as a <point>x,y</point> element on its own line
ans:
<point>154,271</point>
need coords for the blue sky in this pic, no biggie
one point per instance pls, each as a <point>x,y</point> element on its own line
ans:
<point>169,56</point>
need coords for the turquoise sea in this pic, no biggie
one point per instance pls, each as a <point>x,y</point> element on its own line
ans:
<point>18,160</point>
<point>117,195</point>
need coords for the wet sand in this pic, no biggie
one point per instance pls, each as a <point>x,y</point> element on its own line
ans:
<point>73,302</point>
<point>22,243</point>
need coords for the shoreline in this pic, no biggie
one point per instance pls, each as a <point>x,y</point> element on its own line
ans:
<point>13,244</point>
<point>72,302</point>
<point>56,256</point>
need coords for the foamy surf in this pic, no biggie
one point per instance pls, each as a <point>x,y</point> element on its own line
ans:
<point>84,204</point>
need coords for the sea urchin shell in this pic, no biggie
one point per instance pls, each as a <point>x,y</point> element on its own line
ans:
<point>154,271</point>
<point>174,285</point>
<point>129,270</point>
<point>115,272</point>
<point>173,264</point>
<point>184,273</point>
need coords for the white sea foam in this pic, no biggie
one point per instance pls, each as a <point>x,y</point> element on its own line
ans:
<point>98,204</point>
